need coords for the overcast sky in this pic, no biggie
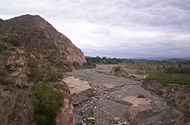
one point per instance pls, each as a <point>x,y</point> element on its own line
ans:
<point>115,28</point>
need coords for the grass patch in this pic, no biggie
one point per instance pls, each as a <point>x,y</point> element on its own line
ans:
<point>168,78</point>
<point>46,102</point>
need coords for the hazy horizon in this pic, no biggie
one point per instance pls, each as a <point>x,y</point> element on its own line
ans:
<point>115,28</point>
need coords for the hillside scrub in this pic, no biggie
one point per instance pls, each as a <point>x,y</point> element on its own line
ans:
<point>89,64</point>
<point>3,47</point>
<point>141,72</point>
<point>44,71</point>
<point>170,78</point>
<point>46,103</point>
<point>76,65</point>
<point>35,70</point>
<point>119,71</point>
<point>13,40</point>
<point>5,77</point>
<point>53,75</point>
<point>181,70</point>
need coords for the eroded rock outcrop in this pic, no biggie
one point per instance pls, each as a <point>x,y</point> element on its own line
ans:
<point>80,90</point>
<point>176,95</point>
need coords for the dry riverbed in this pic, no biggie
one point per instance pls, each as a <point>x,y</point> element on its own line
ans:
<point>103,99</point>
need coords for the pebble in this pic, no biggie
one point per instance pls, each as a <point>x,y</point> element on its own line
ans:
<point>172,120</point>
<point>124,123</point>
<point>91,119</point>
<point>116,119</point>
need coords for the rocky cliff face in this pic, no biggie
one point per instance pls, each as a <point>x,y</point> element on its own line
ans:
<point>31,50</point>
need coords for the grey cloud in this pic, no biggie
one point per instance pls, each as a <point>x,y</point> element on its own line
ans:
<point>118,28</point>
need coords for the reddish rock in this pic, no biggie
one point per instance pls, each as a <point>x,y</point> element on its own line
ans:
<point>66,116</point>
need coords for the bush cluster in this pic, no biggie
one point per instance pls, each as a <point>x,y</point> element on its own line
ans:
<point>76,65</point>
<point>117,69</point>
<point>183,70</point>
<point>5,77</point>
<point>3,47</point>
<point>14,41</point>
<point>54,75</point>
<point>36,71</point>
<point>89,64</point>
<point>40,72</point>
<point>46,103</point>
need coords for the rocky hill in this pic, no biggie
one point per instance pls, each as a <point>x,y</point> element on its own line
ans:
<point>33,51</point>
<point>35,33</point>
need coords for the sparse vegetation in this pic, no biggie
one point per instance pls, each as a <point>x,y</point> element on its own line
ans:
<point>54,75</point>
<point>105,60</point>
<point>3,47</point>
<point>89,64</point>
<point>172,75</point>
<point>5,77</point>
<point>46,72</point>
<point>46,103</point>
<point>140,72</point>
<point>35,70</point>
<point>117,69</point>
<point>13,40</point>
<point>168,78</point>
<point>63,66</point>
<point>76,65</point>
<point>182,70</point>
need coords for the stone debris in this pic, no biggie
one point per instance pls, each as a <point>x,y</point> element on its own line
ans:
<point>76,85</point>
<point>118,101</point>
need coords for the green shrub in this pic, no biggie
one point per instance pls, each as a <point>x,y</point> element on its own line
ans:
<point>187,114</point>
<point>184,70</point>
<point>14,41</point>
<point>3,47</point>
<point>46,103</point>
<point>117,69</point>
<point>172,70</point>
<point>35,69</point>
<point>5,77</point>
<point>54,75</point>
<point>63,66</point>
<point>76,65</point>
<point>89,64</point>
